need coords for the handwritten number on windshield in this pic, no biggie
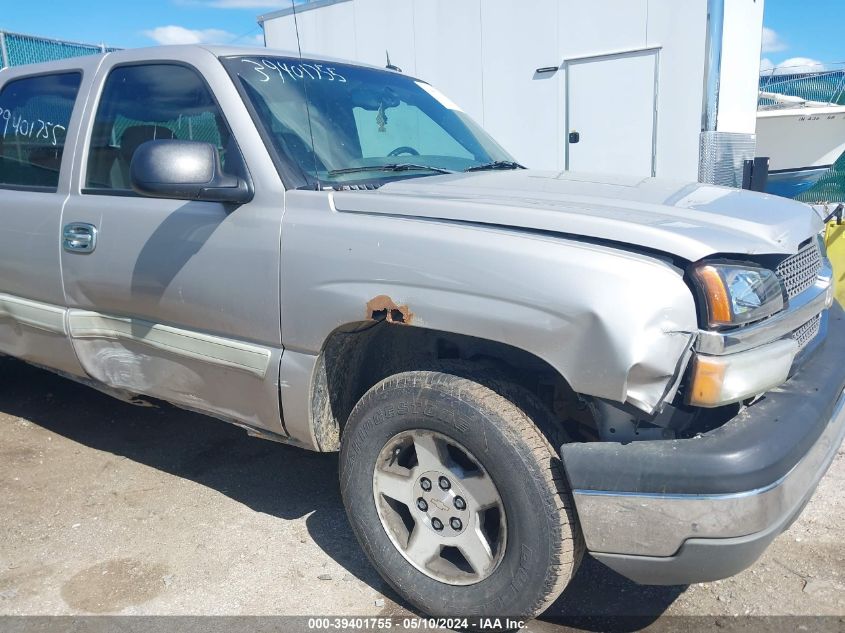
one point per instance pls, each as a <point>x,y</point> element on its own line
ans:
<point>285,71</point>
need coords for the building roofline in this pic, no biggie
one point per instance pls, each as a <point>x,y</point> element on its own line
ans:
<point>309,5</point>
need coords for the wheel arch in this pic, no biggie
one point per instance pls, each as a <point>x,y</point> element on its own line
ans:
<point>356,356</point>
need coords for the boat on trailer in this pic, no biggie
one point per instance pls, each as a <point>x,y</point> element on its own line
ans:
<point>802,137</point>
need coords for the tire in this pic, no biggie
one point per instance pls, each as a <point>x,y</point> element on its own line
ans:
<point>533,543</point>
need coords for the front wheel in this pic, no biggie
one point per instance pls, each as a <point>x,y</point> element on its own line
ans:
<point>457,497</point>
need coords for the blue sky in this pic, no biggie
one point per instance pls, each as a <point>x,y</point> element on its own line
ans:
<point>803,32</point>
<point>131,23</point>
<point>797,31</point>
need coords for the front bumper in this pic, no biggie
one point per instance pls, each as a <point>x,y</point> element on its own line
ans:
<point>700,509</point>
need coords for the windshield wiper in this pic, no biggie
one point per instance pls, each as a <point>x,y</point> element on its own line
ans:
<point>496,164</point>
<point>390,167</point>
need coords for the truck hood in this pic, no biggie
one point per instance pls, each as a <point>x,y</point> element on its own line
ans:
<point>690,221</point>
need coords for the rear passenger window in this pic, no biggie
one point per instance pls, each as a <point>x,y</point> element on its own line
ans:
<point>153,102</point>
<point>34,117</point>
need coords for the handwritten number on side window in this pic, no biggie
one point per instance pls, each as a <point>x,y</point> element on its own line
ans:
<point>17,126</point>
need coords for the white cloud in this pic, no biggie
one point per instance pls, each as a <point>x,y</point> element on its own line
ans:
<point>173,34</point>
<point>795,65</point>
<point>250,40</point>
<point>772,43</point>
<point>766,65</point>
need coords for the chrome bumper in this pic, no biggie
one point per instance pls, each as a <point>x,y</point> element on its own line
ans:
<point>658,525</point>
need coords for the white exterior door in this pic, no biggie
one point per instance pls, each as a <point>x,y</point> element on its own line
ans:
<point>611,113</point>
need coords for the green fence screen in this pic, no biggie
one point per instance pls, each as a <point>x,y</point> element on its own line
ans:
<point>18,49</point>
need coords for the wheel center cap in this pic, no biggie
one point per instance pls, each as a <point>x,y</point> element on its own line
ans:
<point>441,504</point>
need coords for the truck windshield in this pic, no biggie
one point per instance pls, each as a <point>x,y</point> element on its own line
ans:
<point>366,125</point>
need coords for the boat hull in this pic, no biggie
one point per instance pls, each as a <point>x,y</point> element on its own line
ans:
<point>801,138</point>
<point>792,183</point>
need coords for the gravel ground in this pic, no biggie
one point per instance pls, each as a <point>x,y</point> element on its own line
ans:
<point>107,508</point>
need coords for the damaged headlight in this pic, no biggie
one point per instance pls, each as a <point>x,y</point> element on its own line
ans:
<point>736,294</point>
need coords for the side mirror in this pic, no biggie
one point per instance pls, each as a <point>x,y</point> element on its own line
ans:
<point>185,170</point>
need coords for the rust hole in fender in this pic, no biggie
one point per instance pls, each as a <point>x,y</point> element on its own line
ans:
<point>383,308</point>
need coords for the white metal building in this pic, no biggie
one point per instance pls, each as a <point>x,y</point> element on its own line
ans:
<point>642,87</point>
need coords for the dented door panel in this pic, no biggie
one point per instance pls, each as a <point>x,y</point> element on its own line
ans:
<point>179,300</point>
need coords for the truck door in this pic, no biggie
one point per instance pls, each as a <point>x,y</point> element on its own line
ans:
<point>174,299</point>
<point>611,114</point>
<point>38,122</point>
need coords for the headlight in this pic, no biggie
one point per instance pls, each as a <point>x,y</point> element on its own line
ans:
<point>737,294</point>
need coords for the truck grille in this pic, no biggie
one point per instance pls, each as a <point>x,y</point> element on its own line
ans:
<point>799,272</point>
<point>807,332</point>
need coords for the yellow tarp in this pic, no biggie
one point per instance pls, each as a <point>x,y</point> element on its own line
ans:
<point>834,237</point>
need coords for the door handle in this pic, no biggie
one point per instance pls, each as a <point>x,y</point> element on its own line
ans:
<point>79,237</point>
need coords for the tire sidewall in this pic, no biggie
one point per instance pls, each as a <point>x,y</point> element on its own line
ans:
<point>480,425</point>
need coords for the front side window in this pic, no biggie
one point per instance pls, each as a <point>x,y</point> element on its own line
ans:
<point>338,123</point>
<point>153,102</point>
<point>34,118</point>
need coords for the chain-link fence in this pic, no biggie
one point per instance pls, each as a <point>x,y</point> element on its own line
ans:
<point>17,49</point>
<point>827,86</point>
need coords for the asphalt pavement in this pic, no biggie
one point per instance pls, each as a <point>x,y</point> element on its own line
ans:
<point>109,508</point>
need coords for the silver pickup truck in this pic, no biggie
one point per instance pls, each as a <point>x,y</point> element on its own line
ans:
<point>516,366</point>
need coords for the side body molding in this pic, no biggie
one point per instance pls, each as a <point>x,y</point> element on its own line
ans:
<point>34,314</point>
<point>36,331</point>
<point>216,350</point>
